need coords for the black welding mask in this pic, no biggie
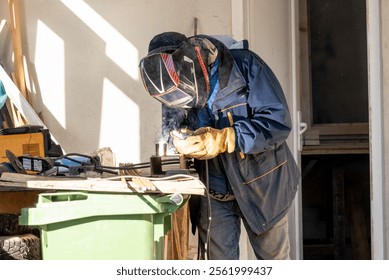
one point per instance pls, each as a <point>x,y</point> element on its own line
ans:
<point>178,77</point>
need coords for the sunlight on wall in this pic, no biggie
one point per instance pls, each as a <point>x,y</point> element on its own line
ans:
<point>118,48</point>
<point>50,58</point>
<point>2,24</point>
<point>120,124</point>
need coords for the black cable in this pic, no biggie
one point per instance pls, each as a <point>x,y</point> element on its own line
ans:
<point>208,235</point>
<point>68,157</point>
<point>140,165</point>
<point>108,169</point>
<point>209,211</point>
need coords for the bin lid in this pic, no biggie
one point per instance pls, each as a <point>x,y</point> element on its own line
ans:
<point>64,206</point>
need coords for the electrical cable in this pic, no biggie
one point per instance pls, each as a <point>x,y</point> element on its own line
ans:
<point>170,177</point>
<point>82,163</point>
<point>108,169</point>
<point>139,165</point>
<point>207,242</point>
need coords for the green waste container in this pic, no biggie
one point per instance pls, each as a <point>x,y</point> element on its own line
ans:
<point>93,226</point>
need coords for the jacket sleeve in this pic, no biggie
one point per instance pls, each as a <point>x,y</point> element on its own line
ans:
<point>268,123</point>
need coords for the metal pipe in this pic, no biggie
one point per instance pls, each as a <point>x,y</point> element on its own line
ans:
<point>156,165</point>
<point>161,149</point>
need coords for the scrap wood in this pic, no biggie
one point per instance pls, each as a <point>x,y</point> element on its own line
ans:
<point>17,46</point>
<point>16,181</point>
<point>131,171</point>
<point>6,115</point>
<point>144,183</point>
<point>23,178</point>
<point>11,186</point>
<point>133,184</point>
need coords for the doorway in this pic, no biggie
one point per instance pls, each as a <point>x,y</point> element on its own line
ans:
<point>335,154</point>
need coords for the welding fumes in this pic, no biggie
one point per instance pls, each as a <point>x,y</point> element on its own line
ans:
<point>165,153</point>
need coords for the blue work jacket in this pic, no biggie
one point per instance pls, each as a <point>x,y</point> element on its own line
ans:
<point>261,172</point>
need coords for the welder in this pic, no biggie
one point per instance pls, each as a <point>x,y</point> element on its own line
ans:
<point>237,110</point>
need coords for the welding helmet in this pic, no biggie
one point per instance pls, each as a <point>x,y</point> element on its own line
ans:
<point>176,72</point>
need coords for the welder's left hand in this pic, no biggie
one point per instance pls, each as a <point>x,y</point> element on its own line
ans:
<point>207,143</point>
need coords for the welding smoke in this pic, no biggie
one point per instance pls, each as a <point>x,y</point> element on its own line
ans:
<point>172,119</point>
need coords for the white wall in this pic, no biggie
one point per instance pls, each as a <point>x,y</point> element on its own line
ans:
<point>272,44</point>
<point>83,64</point>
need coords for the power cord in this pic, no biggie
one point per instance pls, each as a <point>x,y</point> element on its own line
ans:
<point>93,162</point>
<point>208,235</point>
<point>207,245</point>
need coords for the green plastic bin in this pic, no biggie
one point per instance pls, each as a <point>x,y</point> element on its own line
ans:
<point>93,226</point>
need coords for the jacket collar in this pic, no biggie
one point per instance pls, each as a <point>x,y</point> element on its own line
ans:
<point>225,59</point>
<point>231,91</point>
<point>230,77</point>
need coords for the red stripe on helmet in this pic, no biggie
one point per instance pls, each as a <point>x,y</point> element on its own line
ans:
<point>168,60</point>
<point>203,68</point>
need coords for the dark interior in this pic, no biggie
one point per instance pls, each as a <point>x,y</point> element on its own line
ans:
<point>336,181</point>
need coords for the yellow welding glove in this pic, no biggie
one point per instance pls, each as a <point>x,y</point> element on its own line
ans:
<point>207,143</point>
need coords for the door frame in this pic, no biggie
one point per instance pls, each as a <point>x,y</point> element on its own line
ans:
<point>377,150</point>
<point>295,212</point>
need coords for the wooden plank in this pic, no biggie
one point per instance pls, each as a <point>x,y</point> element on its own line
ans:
<point>119,186</point>
<point>336,149</point>
<point>17,46</point>
<point>341,129</point>
<point>11,185</point>
<point>144,184</point>
<point>18,178</point>
<point>11,112</point>
<point>177,239</point>
<point>178,184</point>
